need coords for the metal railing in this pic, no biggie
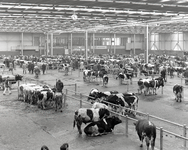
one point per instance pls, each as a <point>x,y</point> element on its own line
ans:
<point>127,118</point>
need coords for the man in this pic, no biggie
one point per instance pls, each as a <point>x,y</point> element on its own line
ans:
<point>44,147</point>
<point>24,67</point>
<point>59,86</point>
<point>11,67</point>
<point>43,68</point>
<point>7,86</point>
<point>65,146</point>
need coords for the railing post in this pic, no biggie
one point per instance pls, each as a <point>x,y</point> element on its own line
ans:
<point>18,89</point>
<point>75,87</point>
<point>127,86</point>
<point>66,91</point>
<point>162,90</point>
<point>65,99</point>
<point>147,116</point>
<point>184,134</point>
<point>126,125</point>
<point>80,100</point>
<point>161,138</point>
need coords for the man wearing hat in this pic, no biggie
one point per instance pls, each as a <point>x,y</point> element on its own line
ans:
<point>7,86</point>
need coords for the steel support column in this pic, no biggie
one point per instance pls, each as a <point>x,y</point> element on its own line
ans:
<point>134,45</point>
<point>71,43</point>
<point>86,45</point>
<point>22,43</point>
<point>51,43</point>
<point>94,43</point>
<point>47,46</point>
<point>114,43</point>
<point>147,44</point>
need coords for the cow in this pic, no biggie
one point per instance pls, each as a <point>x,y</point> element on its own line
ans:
<point>99,105</point>
<point>12,79</point>
<point>93,95</point>
<point>124,100</point>
<point>123,76</point>
<point>150,84</point>
<point>89,75</point>
<point>103,95</point>
<point>86,115</point>
<point>58,98</point>
<point>27,90</point>
<point>177,90</point>
<point>102,127</point>
<point>146,129</point>
<point>44,97</point>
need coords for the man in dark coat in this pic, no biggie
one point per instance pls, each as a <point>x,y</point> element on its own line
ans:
<point>59,86</point>
<point>43,68</point>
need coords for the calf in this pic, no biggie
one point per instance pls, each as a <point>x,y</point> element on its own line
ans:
<point>102,127</point>
<point>86,115</point>
<point>146,129</point>
<point>177,90</point>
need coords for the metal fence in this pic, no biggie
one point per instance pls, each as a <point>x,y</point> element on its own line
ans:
<point>127,118</point>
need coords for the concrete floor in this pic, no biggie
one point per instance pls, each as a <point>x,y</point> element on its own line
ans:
<point>24,126</point>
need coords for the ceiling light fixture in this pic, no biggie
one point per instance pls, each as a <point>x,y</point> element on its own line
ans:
<point>74,16</point>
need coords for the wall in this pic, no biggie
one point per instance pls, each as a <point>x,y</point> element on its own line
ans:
<point>169,41</point>
<point>59,51</point>
<point>168,52</point>
<point>10,53</point>
<point>9,41</point>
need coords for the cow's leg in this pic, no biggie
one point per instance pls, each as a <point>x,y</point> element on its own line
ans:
<point>79,127</point>
<point>147,142</point>
<point>43,103</point>
<point>141,140</point>
<point>152,143</point>
<point>56,103</point>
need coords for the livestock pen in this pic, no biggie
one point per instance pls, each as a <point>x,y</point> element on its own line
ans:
<point>163,133</point>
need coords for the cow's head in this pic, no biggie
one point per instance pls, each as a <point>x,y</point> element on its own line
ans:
<point>103,113</point>
<point>18,77</point>
<point>115,121</point>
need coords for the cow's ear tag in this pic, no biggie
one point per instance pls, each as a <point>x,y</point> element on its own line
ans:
<point>104,121</point>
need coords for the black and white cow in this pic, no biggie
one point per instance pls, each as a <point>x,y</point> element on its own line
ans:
<point>102,127</point>
<point>99,105</point>
<point>89,75</point>
<point>150,84</point>
<point>58,98</point>
<point>93,94</point>
<point>146,129</point>
<point>125,100</point>
<point>44,96</point>
<point>123,76</point>
<point>12,78</point>
<point>86,115</point>
<point>103,95</point>
<point>178,90</point>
